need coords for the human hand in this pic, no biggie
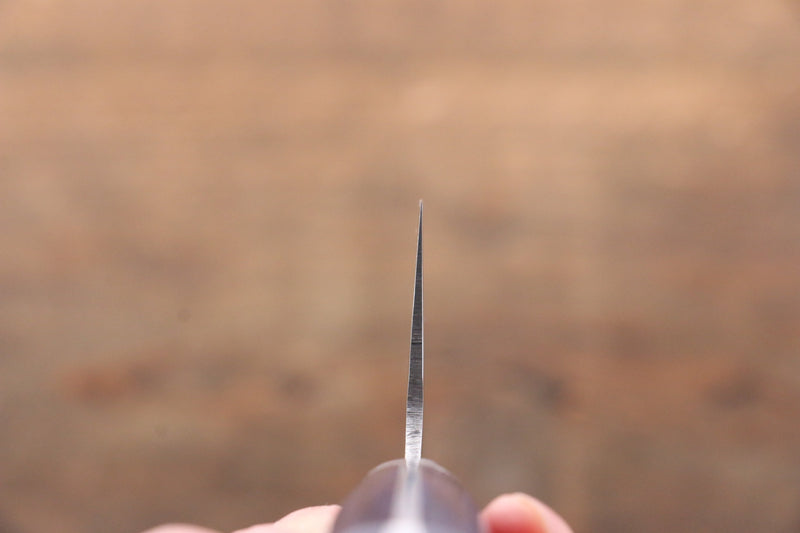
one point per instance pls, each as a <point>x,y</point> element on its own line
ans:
<point>509,513</point>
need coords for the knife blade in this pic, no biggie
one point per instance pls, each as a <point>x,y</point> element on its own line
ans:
<point>413,494</point>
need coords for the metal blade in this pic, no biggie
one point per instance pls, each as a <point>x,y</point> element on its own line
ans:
<point>414,401</point>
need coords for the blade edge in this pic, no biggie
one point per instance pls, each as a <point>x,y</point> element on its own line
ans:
<point>415,397</point>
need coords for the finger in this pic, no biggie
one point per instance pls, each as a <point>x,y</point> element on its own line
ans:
<point>179,528</point>
<point>309,520</point>
<point>520,513</point>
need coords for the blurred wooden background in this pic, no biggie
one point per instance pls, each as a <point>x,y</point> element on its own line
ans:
<point>207,219</point>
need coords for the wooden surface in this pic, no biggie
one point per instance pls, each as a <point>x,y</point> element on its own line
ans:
<point>207,218</point>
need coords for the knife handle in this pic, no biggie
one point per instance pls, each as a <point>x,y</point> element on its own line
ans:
<point>439,504</point>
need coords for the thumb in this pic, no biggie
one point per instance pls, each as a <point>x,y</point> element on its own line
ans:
<point>309,520</point>
<point>520,513</point>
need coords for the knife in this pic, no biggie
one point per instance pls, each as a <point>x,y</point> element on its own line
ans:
<point>410,495</point>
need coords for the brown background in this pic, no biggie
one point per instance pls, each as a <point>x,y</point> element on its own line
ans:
<point>207,223</point>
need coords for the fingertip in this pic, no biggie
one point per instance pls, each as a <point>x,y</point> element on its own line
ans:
<point>317,519</point>
<point>261,528</point>
<point>520,513</point>
<point>513,513</point>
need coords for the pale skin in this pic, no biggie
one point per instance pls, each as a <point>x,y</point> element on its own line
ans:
<point>509,513</point>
